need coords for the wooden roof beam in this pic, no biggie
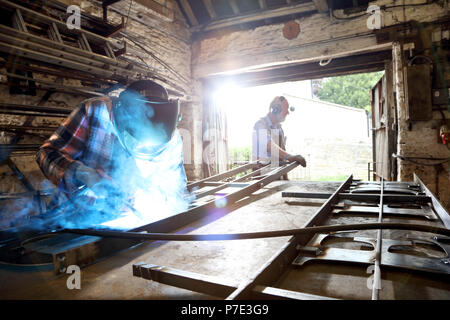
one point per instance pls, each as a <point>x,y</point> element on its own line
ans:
<point>234,6</point>
<point>210,8</point>
<point>190,14</point>
<point>262,4</point>
<point>266,14</point>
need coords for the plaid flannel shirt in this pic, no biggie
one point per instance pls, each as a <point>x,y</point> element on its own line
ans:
<point>86,136</point>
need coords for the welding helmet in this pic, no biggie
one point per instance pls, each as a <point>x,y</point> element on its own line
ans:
<point>145,119</point>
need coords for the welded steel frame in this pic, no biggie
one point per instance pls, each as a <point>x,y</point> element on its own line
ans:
<point>259,285</point>
<point>268,273</point>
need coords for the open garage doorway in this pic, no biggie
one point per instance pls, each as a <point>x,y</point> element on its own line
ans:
<point>331,125</point>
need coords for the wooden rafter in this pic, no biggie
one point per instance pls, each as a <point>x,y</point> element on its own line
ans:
<point>262,4</point>
<point>190,14</point>
<point>234,6</point>
<point>266,14</point>
<point>210,8</point>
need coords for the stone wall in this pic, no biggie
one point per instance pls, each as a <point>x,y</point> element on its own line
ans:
<point>331,159</point>
<point>156,34</point>
<point>419,139</point>
<point>320,37</point>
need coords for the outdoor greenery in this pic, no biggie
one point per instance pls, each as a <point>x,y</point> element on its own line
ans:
<point>352,90</point>
<point>240,154</point>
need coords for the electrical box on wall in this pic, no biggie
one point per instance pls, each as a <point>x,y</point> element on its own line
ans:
<point>441,98</point>
<point>418,92</point>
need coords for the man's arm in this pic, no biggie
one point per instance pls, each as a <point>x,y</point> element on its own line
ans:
<point>57,155</point>
<point>283,155</point>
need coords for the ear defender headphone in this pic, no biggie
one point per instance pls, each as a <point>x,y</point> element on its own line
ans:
<point>276,104</point>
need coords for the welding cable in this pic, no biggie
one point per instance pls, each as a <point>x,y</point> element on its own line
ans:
<point>256,235</point>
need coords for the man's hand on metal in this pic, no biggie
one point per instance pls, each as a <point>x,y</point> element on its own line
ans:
<point>297,158</point>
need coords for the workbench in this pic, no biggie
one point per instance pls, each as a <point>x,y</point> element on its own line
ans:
<point>235,260</point>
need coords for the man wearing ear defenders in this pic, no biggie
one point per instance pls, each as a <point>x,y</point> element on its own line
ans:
<point>104,134</point>
<point>268,135</point>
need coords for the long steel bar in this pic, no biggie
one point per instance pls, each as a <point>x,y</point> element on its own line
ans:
<point>64,47</point>
<point>55,60</point>
<point>256,235</point>
<point>271,271</point>
<point>125,66</point>
<point>223,175</point>
<point>22,43</point>
<point>213,286</point>
<point>377,272</point>
<point>231,184</point>
<point>227,184</point>
<point>28,49</point>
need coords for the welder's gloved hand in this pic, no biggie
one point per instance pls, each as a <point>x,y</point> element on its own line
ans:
<point>297,158</point>
<point>82,175</point>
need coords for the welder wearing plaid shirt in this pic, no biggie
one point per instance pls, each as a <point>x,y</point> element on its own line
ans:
<point>104,136</point>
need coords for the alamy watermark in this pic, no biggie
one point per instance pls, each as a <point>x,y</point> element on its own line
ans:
<point>374,21</point>
<point>74,20</point>
<point>74,280</point>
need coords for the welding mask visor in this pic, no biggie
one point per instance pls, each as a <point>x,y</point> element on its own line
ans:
<point>145,124</point>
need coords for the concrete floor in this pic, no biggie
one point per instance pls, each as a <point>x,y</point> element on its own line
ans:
<point>236,260</point>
